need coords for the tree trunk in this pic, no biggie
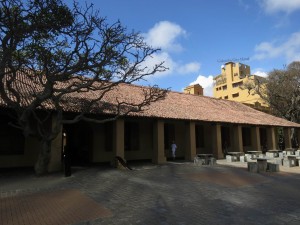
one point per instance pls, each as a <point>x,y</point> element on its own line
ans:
<point>41,165</point>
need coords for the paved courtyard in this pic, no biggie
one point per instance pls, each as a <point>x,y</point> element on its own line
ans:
<point>176,193</point>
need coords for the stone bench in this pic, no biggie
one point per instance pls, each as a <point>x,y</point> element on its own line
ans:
<point>290,161</point>
<point>273,167</point>
<point>262,164</point>
<point>252,167</point>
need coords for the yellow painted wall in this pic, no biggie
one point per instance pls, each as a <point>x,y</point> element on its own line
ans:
<point>228,83</point>
<point>195,89</point>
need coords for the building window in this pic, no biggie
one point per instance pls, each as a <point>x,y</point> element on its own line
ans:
<point>131,136</point>
<point>225,87</point>
<point>235,95</point>
<point>12,140</point>
<point>199,136</point>
<point>169,135</point>
<point>238,84</point>
<point>226,97</point>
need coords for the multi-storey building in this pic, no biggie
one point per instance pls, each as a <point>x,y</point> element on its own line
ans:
<point>229,85</point>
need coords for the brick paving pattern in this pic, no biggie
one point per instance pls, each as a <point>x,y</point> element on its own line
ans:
<point>58,207</point>
<point>172,194</point>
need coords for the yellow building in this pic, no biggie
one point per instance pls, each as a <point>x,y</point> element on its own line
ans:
<point>195,89</point>
<point>228,85</point>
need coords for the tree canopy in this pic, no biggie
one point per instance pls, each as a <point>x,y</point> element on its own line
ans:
<point>281,90</point>
<point>49,43</point>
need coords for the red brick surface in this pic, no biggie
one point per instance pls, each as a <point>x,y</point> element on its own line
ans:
<point>59,207</point>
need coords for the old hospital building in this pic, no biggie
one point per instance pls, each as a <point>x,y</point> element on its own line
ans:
<point>198,124</point>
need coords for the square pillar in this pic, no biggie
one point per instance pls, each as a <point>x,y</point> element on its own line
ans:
<point>237,138</point>
<point>190,146</point>
<point>217,141</point>
<point>118,139</point>
<point>158,143</point>
<point>271,140</point>
<point>55,163</point>
<point>287,137</point>
<point>298,136</point>
<point>255,139</point>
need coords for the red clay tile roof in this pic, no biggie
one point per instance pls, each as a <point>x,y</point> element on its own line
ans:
<point>176,105</point>
<point>201,108</point>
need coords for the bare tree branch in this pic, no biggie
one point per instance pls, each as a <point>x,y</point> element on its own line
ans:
<point>51,54</point>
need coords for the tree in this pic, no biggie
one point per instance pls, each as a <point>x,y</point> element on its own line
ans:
<point>281,90</point>
<point>48,52</point>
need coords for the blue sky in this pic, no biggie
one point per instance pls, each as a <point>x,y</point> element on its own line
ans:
<point>195,35</point>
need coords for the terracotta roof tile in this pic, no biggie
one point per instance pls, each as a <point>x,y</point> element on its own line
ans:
<point>201,108</point>
<point>175,106</point>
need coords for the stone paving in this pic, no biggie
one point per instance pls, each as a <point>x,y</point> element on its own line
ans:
<point>176,193</point>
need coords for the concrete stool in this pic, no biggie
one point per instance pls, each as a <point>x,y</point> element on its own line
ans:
<point>287,163</point>
<point>278,161</point>
<point>273,167</point>
<point>293,160</point>
<point>262,165</point>
<point>281,154</point>
<point>230,158</point>
<point>271,154</point>
<point>198,161</point>
<point>243,158</point>
<point>247,157</point>
<point>252,167</point>
<point>212,161</point>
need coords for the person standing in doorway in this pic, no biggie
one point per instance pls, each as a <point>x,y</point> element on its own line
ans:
<point>173,149</point>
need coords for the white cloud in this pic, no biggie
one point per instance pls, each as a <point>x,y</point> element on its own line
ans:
<point>260,73</point>
<point>274,6</point>
<point>164,35</point>
<point>290,49</point>
<point>192,67</point>
<point>172,66</point>
<point>206,83</point>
